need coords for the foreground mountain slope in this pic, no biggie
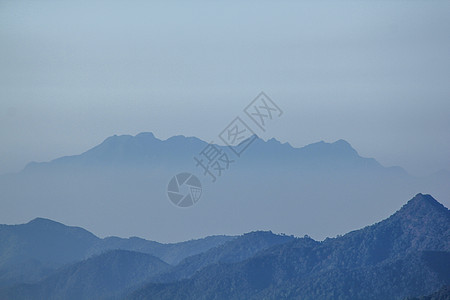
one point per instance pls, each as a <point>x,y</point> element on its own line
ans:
<point>442,294</point>
<point>100,277</point>
<point>116,272</point>
<point>236,250</point>
<point>44,240</point>
<point>171,253</point>
<point>29,252</point>
<point>407,254</point>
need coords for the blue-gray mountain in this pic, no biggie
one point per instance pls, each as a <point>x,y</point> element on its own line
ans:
<point>405,255</point>
<point>236,250</point>
<point>32,251</point>
<point>105,276</point>
<point>119,188</point>
<point>115,273</point>
<point>441,294</point>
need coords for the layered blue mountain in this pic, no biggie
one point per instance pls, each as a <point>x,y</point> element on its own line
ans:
<point>146,151</point>
<point>238,249</point>
<point>120,188</point>
<point>442,294</point>
<point>105,276</point>
<point>32,251</point>
<point>406,255</point>
<point>113,274</point>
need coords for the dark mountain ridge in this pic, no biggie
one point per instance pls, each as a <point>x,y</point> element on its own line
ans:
<point>19,243</point>
<point>32,251</point>
<point>236,250</point>
<point>102,276</point>
<point>408,254</point>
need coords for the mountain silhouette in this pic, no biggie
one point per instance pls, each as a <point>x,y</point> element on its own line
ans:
<point>100,277</point>
<point>236,250</point>
<point>30,252</point>
<point>145,150</point>
<point>407,254</point>
<point>119,187</point>
<point>441,294</point>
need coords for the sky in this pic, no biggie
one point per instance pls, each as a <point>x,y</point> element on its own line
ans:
<point>375,73</point>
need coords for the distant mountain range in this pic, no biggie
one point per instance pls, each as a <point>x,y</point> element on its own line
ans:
<point>404,256</point>
<point>120,187</point>
<point>146,151</point>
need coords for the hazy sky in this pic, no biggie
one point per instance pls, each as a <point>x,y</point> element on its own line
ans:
<point>376,73</point>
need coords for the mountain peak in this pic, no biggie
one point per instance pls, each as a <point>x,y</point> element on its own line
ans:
<point>123,139</point>
<point>423,211</point>
<point>43,221</point>
<point>423,201</point>
<point>342,143</point>
<point>338,148</point>
<point>146,135</point>
<point>45,227</point>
